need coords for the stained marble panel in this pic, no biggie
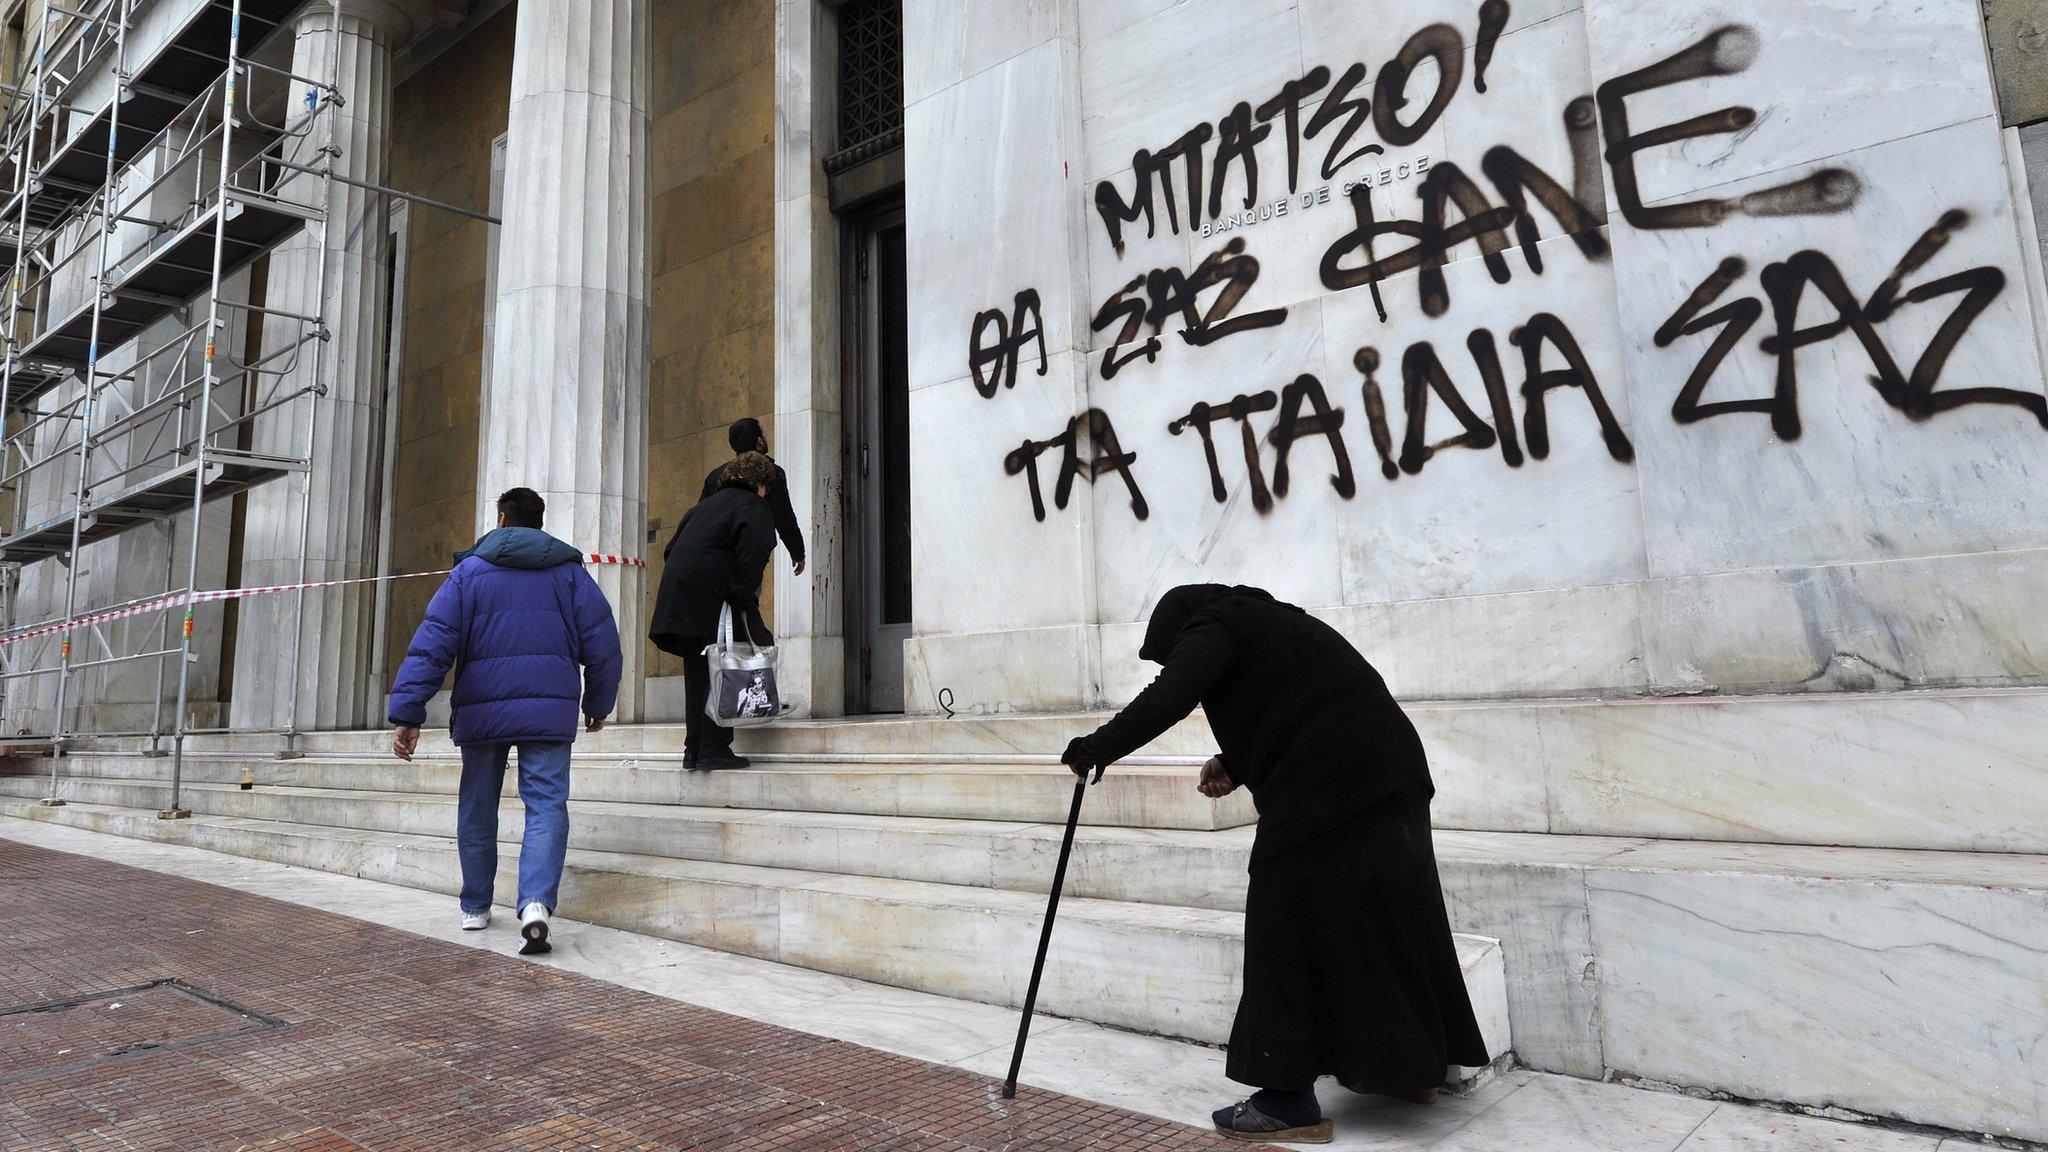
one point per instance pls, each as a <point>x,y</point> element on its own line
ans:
<point>1471,520</point>
<point>1543,643</point>
<point>980,559</point>
<point>1823,78</point>
<point>1924,1004</point>
<point>1956,771</point>
<point>1100,18</point>
<point>947,41</point>
<point>1862,479</point>
<point>1971,620</point>
<point>1539,72</point>
<point>1187,535</point>
<point>993,202</point>
<point>1529,892</point>
<point>1016,670</point>
<point>1160,75</point>
<point>1333,34</point>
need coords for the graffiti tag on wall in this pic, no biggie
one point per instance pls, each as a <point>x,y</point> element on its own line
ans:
<point>1331,123</point>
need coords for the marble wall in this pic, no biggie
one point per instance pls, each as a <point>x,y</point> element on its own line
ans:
<point>1546,347</point>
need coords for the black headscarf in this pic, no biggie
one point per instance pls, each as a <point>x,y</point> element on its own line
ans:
<point>1177,607</point>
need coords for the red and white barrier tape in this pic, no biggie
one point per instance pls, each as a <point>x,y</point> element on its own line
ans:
<point>188,599</point>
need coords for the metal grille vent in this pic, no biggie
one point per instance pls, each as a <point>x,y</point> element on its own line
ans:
<point>870,81</point>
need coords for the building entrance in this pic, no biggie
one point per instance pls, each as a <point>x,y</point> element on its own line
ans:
<point>879,448</point>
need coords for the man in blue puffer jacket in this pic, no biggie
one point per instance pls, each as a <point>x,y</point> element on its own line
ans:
<point>535,648</point>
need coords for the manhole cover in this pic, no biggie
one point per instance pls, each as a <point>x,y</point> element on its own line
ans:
<point>100,1026</point>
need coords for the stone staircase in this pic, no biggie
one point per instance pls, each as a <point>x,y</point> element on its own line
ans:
<point>1831,901</point>
<point>924,870</point>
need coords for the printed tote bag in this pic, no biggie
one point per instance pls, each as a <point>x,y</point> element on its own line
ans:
<point>744,692</point>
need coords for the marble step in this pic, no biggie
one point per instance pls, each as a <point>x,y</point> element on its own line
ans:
<point>1011,790</point>
<point>1904,984</point>
<point>1150,968</point>
<point>1955,770</point>
<point>1184,868</point>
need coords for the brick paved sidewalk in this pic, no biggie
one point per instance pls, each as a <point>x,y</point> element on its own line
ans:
<point>143,1011</point>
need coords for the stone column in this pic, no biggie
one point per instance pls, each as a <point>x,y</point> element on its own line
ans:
<point>340,536</point>
<point>810,614</point>
<point>566,413</point>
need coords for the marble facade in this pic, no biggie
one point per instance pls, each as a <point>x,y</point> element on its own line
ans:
<point>1785,526</point>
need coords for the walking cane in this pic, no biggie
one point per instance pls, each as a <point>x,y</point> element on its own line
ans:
<point>1052,907</point>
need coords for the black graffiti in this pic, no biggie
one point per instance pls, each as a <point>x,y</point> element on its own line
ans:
<point>1167,293</point>
<point>1240,409</point>
<point>1005,350</point>
<point>1439,42</point>
<point>1726,51</point>
<point>1355,112</point>
<point>1517,180</point>
<point>1150,169</point>
<point>1493,19</point>
<point>1916,393</point>
<point>1325,421</point>
<point>1347,107</point>
<point>1291,427</point>
<point>1108,456</point>
<point>1434,241</point>
<point>1582,129</point>
<point>1287,105</point>
<point>1305,412</point>
<point>1547,331</point>
<point>1237,141</point>
<point>1424,375</point>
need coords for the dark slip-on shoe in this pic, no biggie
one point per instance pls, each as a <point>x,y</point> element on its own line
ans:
<point>1243,1122</point>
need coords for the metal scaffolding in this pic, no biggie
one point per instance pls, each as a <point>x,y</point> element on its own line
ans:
<point>141,176</point>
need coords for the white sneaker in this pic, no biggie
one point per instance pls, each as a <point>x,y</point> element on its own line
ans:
<point>533,929</point>
<point>476,921</point>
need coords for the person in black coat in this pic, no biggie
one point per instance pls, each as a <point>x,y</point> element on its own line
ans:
<point>715,559</point>
<point>1349,966</point>
<point>745,436</point>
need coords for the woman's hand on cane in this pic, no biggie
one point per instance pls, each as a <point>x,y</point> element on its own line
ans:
<point>1081,758</point>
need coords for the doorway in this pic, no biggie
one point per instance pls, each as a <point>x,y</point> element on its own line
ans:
<point>878,450</point>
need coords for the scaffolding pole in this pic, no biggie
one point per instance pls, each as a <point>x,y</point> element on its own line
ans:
<point>207,381</point>
<point>92,359</point>
<point>155,442</point>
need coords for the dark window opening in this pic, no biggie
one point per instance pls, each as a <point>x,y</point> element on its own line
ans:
<point>870,82</point>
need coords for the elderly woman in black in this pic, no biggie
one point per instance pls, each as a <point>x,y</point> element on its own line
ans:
<point>1349,967</point>
<point>715,559</point>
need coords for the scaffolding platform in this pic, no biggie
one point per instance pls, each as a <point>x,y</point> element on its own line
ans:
<point>159,282</point>
<point>158,90</point>
<point>147,501</point>
<point>34,378</point>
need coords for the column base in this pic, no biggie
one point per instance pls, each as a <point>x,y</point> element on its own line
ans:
<point>51,802</point>
<point>174,814</point>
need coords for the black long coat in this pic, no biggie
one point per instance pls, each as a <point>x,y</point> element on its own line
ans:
<point>1300,717</point>
<point>716,557</point>
<point>786,525</point>
<point>1349,965</point>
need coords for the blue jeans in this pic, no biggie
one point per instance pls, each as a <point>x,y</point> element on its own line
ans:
<point>544,786</point>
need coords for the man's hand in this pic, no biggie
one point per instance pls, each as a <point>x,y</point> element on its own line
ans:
<point>405,742</point>
<point>1215,782</point>
<point>797,568</point>
<point>592,724</point>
